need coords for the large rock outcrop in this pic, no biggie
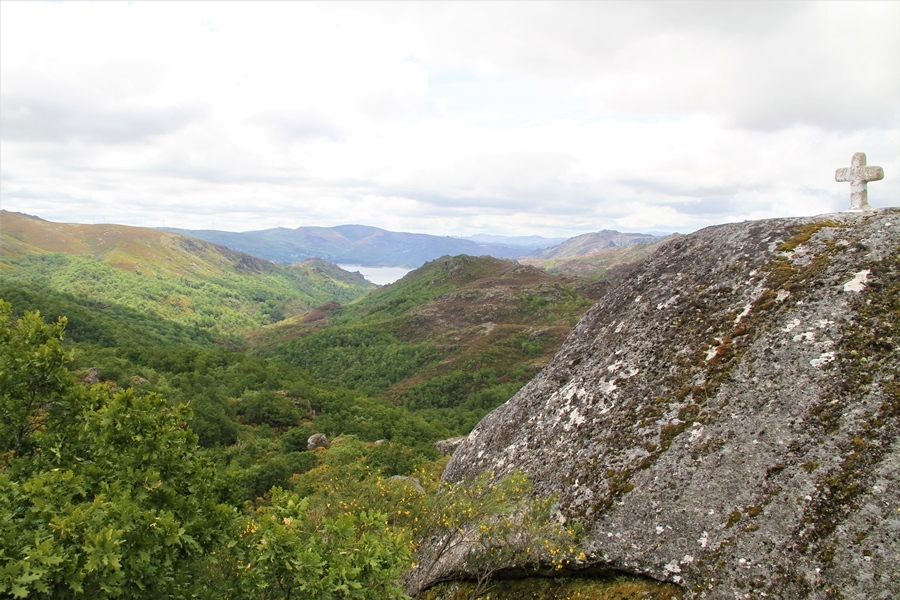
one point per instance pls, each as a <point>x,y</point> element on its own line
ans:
<point>727,418</point>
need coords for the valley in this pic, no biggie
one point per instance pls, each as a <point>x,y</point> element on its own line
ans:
<point>254,357</point>
<point>209,414</point>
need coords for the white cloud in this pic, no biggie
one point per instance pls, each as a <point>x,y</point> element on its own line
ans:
<point>287,127</point>
<point>451,118</point>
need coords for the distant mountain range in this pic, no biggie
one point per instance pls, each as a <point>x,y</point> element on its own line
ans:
<point>372,247</point>
<point>354,244</point>
<point>531,241</point>
<point>588,255</point>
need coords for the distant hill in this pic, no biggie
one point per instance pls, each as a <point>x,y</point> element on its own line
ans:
<point>181,279</point>
<point>531,241</point>
<point>593,254</point>
<point>592,243</point>
<point>588,255</point>
<point>354,244</point>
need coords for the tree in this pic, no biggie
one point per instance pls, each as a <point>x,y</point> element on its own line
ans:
<point>112,498</point>
<point>33,376</point>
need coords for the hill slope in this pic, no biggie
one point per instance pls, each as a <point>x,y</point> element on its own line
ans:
<point>188,281</point>
<point>457,332</point>
<point>727,418</point>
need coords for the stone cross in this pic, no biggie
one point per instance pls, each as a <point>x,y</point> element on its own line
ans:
<point>858,174</point>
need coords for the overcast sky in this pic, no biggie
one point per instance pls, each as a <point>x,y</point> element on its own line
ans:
<point>513,118</point>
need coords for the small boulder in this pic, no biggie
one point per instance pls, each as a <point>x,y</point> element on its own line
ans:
<point>316,440</point>
<point>92,377</point>
<point>448,446</point>
<point>539,333</point>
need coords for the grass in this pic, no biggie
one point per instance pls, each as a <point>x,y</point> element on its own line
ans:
<point>562,588</point>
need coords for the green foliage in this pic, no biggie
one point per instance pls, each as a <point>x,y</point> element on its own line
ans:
<point>271,408</point>
<point>223,386</point>
<point>364,359</point>
<point>331,532</point>
<point>113,499</point>
<point>104,491</point>
<point>489,524</point>
<point>211,423</point>
<point>392,459</point>
<point>286,550</point>
<point>33,376</point>
<point>295,439</point>
<point>96,322</point>
<point>480,390</point>
<point>276,472</point>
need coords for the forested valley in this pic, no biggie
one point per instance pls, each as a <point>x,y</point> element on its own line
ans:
<point>157,407</point>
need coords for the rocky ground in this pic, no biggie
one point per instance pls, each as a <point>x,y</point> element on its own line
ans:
<point>727,418</point>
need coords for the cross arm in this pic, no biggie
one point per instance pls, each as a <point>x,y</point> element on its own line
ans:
<point>867,173</point>
<point>872,174</point>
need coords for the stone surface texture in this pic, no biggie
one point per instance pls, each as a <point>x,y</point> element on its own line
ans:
<point>727,417</point>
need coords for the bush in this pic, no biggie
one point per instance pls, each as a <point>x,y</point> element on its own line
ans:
<point>211,424</point>
<point>267,407</point>
<point>277,472</point>
<point>287,550</point>
<point>296,438</point>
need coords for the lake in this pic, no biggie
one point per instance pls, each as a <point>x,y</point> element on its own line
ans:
<point>379,275</point>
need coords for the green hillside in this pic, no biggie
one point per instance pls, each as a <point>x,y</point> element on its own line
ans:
<point>410,363</point>
<point>145,454</point>
<point>459,335</point>
<point>177,328</point>
<point>208,289</point>
<point>449,341</point>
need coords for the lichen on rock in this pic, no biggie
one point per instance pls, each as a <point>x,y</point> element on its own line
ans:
<point>726,418</point>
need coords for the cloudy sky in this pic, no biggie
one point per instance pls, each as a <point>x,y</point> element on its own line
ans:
<point>510,118</point>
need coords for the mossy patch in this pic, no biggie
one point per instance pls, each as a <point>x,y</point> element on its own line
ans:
<point>560,588</point>
<point>733,518</point>
<point>804,232</point>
